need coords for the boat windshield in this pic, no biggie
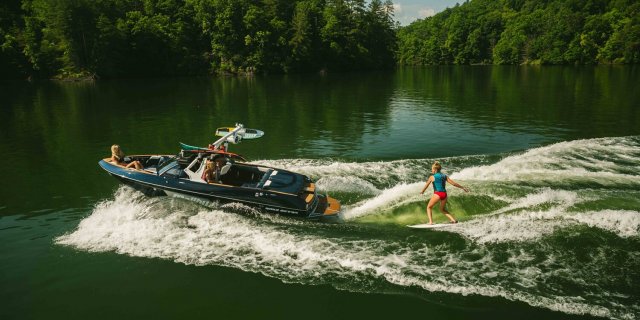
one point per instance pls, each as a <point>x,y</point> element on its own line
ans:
<point>166,164</point>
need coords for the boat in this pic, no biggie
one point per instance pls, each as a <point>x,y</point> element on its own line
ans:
<point>266,188</point>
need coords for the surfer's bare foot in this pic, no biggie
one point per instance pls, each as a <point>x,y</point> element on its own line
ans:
<point>454,221</point>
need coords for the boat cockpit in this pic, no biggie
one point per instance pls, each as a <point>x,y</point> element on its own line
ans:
<point>239,174</point>
<point>228,172</point>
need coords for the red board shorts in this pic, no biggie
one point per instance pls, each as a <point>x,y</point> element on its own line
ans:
<point>442,195</point>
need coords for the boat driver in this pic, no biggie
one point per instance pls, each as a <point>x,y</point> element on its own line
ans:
<point>212,172</point>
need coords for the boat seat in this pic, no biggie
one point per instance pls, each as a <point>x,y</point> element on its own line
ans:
<point>225,169</point>
<point>198,165</point>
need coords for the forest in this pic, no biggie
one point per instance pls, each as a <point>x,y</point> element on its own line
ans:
<point>77,39</point>
<point>138,38</point>
<point>548,32</point>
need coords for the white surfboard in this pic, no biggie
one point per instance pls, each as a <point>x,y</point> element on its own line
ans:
<point>432,226</point>
<point>246,133</point>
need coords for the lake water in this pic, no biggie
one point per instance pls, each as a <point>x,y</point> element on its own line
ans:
<point>551,227</point>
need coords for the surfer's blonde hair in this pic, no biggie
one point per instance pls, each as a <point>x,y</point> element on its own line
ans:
<point>117,152</point>
<point>436,165</point>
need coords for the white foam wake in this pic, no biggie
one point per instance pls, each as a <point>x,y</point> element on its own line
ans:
<point>605,161</point>
<point>387,199</point>
<point>191,234</point>
<point>540,214</point>
<point>624,223</point>
<point>500,256</point>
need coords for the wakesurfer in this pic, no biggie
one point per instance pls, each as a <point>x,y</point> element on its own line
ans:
<point>439,181</point>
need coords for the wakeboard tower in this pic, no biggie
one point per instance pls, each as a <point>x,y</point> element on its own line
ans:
<point>266,188</point>
<point>228,135</point>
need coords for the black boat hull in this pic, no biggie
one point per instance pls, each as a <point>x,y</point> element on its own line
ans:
<point>152,184</point>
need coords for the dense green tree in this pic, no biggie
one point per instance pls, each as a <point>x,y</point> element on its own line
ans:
<point>305,43</point>
<point>525,31</point>
<point>71,38</point>
<point>13,63</point>
<point>339,32</point>
<point>120,38</point>
<point>381,33</point>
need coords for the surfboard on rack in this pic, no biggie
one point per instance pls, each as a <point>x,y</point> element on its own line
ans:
<point>185,146</point>
<point>228,135</point>
<point>246,133</point>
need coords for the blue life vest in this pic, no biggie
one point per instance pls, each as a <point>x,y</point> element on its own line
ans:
<point>439,182</point>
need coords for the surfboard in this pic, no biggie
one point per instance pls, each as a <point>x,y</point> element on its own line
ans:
<point>432,226</point>
<point>246,133</point>
<point>185,146</point>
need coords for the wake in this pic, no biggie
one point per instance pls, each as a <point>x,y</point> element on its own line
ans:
<point>537,201</point>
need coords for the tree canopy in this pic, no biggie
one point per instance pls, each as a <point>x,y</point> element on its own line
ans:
<point>525,32</point>
<point>134,38</point>
<point>121,38</point>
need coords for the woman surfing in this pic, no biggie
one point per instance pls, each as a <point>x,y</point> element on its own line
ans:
<point>439,181</point>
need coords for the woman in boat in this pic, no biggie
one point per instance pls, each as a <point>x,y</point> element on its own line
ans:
<point>439,181</point>
<point>211,172</point>
<point>117,157</point>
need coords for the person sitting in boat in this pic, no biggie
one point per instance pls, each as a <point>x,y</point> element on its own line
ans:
<point>212,172</point>
<point>220,148</point>
<point>117,157</point>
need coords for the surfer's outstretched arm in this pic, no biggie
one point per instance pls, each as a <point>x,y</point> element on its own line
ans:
<point>427,185</point>
<point>455,184</point>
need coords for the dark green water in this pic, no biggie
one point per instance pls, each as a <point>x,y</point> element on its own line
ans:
<point>551,228</point>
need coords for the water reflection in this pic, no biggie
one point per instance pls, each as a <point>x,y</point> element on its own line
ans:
<point>54,133</point>
<point>582,100</point>
<point>308,116</point>
<point>494,109</point>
